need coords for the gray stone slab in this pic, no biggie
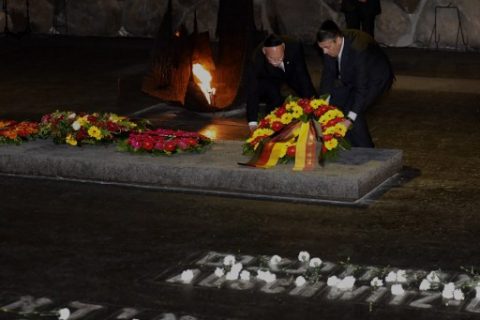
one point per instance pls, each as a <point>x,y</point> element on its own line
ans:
<point>353,175</point>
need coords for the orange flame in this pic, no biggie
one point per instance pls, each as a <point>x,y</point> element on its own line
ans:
<point>204,81</point>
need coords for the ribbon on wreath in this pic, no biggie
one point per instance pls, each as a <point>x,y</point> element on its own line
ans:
<point>269,150</point>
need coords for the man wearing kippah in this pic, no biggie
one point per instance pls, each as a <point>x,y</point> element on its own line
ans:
<point>356,72</point>
<point>277,62</point>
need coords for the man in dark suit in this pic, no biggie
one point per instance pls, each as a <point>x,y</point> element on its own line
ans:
<point>360,14</point>
<point>276,62</point>
<point>356,72</point>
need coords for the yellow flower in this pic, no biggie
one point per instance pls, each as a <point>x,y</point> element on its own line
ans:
<point>291,105</point>
<point>340,129</point>
<point>329,131</point>
<point>82,121</point>
<point>95,132</point>
<point>315,103</point>
<point>331,144</point>
<point>115,118</point>
<point>71,140</point>
<point>286,118</point>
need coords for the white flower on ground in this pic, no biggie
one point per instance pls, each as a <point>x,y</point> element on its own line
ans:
<point>333,281</point>
<point>397,289</point>
<point>219,272</point>
<point>63,314</point>
<point>76,125</point>
<point>303,256</point>
<point>477,292</point>
<point>187,276</point>
<point>425,285</point>
<point>237,267</point>
<point>315,262</point>
<point>231,275</point>
<point>346,283</point>
<point>376,282</point>
<point>245,275</point>
<point>266,276</point>
<point>433,277</point>
<point>448,290</point>
<point>401,276</point>
<point>274,260</point>
<point>229,260</point>
<point>458,295</point>
<point>300,281</point>
<point>391,277</point>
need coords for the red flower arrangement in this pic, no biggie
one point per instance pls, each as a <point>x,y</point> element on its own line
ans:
<point>17,132</point>
<point>164,141</point>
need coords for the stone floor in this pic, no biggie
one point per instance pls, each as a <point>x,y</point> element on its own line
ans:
<point>115,246</point>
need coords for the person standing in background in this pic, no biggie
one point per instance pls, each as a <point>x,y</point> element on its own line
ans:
<point>361,14</point>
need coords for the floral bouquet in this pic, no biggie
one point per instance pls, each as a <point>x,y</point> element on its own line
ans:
<point>291,132</point>
<point>164,141</point>
<point>77,129</point>
<point>17,132</point>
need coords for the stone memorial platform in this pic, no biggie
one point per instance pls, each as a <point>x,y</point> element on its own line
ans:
<point>356,173</point>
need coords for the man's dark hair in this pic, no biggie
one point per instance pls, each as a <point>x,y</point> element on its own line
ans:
<point>328,31</point>
<point>272,41</point>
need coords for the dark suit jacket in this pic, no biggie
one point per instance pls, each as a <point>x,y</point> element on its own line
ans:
<point>296,76</point>
<point>365,74</point>
<point>371,7</point>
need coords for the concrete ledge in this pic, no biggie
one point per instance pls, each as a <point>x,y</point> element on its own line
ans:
<point>356,173</point>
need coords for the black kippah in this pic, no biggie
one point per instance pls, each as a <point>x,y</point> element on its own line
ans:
<point>328,30</point>
<point>272,41</point>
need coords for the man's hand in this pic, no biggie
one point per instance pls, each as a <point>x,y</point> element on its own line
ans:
<point>348,123</point>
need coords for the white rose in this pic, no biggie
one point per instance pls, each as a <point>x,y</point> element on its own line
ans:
<point>187,276</point>
<point>219,272</point>
<point>245,275</point>
<point>63,314</point>
<point>303,256</point>
<point>391,277</point>
<point>76,125</point>
<point>300,281</point>
<point>261,275</point>
<point>401,276</point>
<point>274,260</point>
<point>72,115</point>
<point>376,282</point>
<point>315,262</point>
<point>433,277</point>
<point>346,283</point>
<point>425,285</point>
<point>231,276</point>
<point>397,290</point>
<point>448,290</point>
<point>458,295</point>
<point>270,277</point>
<point>477,292</point>
<point>333,281</point>
<point>237,267</point>
<point>229,260</point>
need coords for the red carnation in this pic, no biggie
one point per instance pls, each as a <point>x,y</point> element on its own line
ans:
<point>280,111</point>
<point>170,145</point>
<point>264,123</point>
<point>192,142</point>
<point>277,126</point>
<point>307,109</point>
<point>291,151</point>
<point>183,144</point>
<point>91,119</point>
<point>148,144</point>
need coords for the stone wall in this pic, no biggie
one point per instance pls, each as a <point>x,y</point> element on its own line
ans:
<point>402,22</point>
